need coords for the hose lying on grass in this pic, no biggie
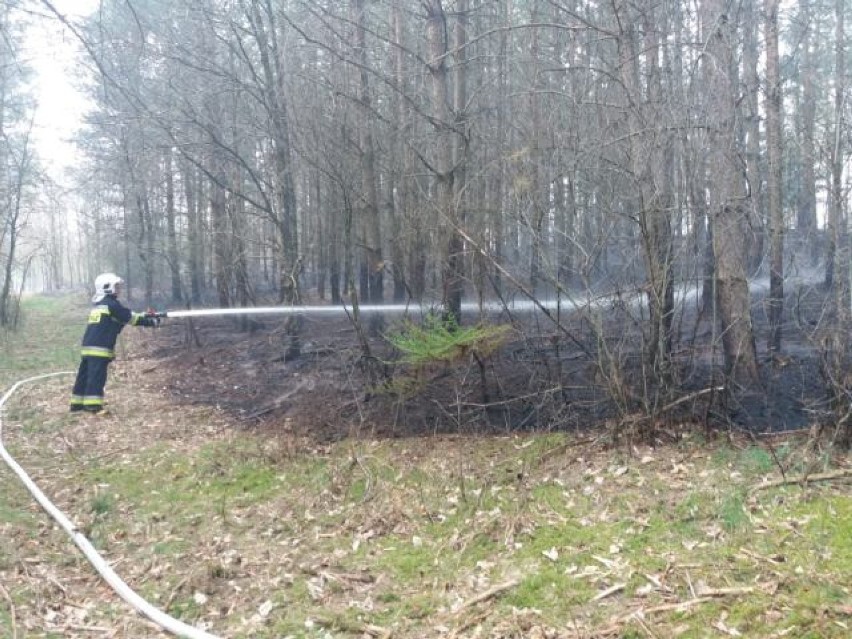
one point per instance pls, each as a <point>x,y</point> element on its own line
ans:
<point>164,621</point>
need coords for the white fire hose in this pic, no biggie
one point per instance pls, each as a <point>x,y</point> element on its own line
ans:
<point>391,309</point>
<point>166,622</point>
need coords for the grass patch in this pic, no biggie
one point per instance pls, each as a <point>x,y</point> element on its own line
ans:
<point>11,511</point>
<point>756,461</point>
<point>185,609</point>
<point>408,563</point>
<point>174,547</point>
<point>551,589</point>
<point>101,504</point>
<point>47,339</point>
<point>564,538</point>
<point>732,511</point>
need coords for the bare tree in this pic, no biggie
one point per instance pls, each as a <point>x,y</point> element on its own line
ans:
<point>19,173</point>
<point>444,169</point>
<point>372,288</point>
<point>651,169</point>
<point>728,197</point>
<point>500,149</point>
<point>806,205</point>
<point>838,271</point>
<point>18,166</point>
<point>172,253</point>
<point>775,158</point>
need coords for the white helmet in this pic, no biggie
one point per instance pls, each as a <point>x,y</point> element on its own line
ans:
<point>105,284</point>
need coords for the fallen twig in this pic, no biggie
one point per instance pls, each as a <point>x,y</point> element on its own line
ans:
<point>603,594</point>
<point>725,592</point>
<point>645,627</point>
<point>376,631</point>
<point>616,627</point>
<point>706,595</point>
<point>563,447</point>
<point>58,585</point>
<point>83,628</point>
<point>488,594</point>
<point>676,606</point>
<point>469,623</point>
<point>261,411</point>
<point>691,396</point>
<point>804,479</point>
<point>691,587</point>
<point>8,598</point>
<point>512,400</point>
<point>348,625</point>
<point>777,559</point>
<point>174,593</point>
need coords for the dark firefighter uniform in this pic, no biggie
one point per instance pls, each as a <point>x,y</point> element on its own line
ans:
<point>106,319</point>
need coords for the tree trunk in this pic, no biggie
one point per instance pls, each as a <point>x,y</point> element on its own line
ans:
<point>12,229</point>
<point>749,137</point>
<point>460,139</point>
<point>239,261</point>
<point>840,237</point>
<point>373,260</point>
<point>498,180</point>
<point>806,217</point>
<point>171,231</point>
<point>194,237</point>
<point>538,196</point>
<point>650,151</point>
<point>322,235</point>
<point>838,226</point>
<point>436,30</point>
<point>728,198</point>
<point>272,63</point>
<point>775,157</point>
<point>221,247</point>
<point>146,243</point>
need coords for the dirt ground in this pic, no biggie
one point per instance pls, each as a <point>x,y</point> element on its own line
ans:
<point>543,378</point>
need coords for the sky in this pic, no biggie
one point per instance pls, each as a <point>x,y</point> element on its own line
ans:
<point>54,54</point>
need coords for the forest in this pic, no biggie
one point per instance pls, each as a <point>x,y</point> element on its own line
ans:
<point>621,213</point>
<point>557,342</point>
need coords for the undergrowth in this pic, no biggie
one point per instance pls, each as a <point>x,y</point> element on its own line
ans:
<point>439,340</point>
<point>440,343</point>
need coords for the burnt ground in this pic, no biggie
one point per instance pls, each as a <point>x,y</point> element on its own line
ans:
<point>542,378</point>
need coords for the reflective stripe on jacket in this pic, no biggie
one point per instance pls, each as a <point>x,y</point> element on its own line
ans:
<point>106,319</point>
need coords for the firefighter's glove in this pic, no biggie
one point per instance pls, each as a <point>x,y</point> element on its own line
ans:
<point>153,317</point>
<point>149,321</point>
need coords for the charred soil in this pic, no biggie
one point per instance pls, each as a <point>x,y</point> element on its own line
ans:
<point>585,372</point>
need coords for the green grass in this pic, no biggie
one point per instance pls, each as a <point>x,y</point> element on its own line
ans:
<point>566,546</point>
<point>732,511</point>
<point>102,504</point>
<point>47,339</point>
<point>184,609</point>
<point>756,460</point>
<point>175,547</point>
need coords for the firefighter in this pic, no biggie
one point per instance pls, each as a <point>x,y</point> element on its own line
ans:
<point>106,319</point>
